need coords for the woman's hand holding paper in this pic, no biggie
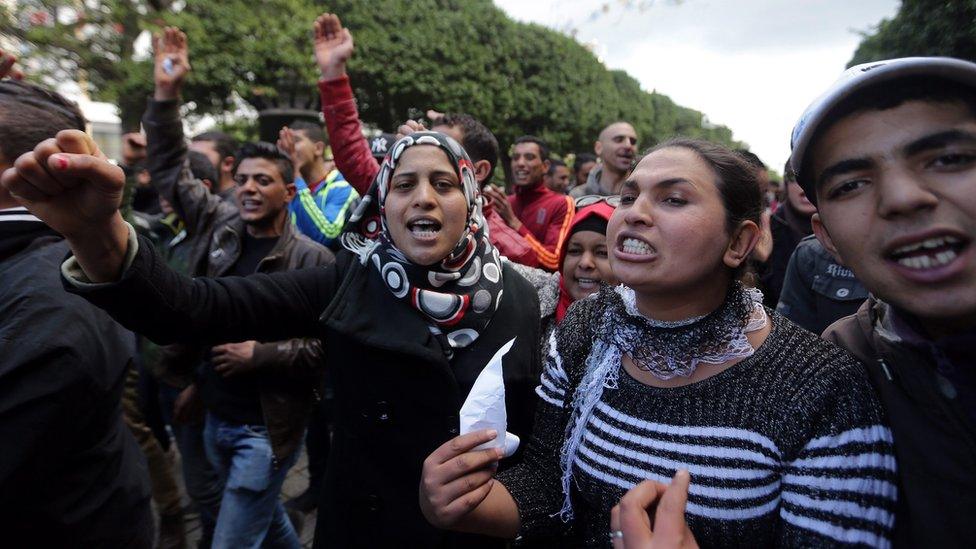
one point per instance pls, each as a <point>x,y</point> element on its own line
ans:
<point>456,478</point>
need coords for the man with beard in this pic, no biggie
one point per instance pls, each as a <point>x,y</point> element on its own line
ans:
<point>616,148</point>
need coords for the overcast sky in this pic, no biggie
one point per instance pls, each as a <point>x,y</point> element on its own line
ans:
<point>753,65</point>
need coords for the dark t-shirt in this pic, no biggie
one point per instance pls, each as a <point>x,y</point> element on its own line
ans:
<point>237,398</point>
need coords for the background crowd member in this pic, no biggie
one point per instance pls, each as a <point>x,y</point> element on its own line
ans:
<point>788,225</point>
<point>379,145</point>
<point>584,266</point>
<point>324,199</point>
<point>219,148</point>
<point>170,368</point>
<point>333,48</point>
<point>617,149</point>
<point>541,216</point>
<point>70,472</point>
<point>258,395</point>
<point>403,360</point>
<point>558,176</point>
<point>582,166</point>
<point>818,290</point>
<point>142,197</point>
<point>888,154</point>
<point>679,363</point>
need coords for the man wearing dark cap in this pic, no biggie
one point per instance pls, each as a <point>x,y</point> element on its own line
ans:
<point>381,144</point>
<point>888,155</point>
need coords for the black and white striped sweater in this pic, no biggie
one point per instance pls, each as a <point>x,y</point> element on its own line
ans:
<point>786,448</point>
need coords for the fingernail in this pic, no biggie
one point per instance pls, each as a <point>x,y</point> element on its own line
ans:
<point>491,433</point>
<point>62,163</point>
<point>681,475</point>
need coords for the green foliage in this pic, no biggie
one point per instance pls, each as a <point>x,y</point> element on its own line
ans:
<point>922,28</point>
<point>411,55</point>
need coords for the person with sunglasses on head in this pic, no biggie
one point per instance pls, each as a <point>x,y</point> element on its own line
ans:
<point>584,264</point>
<point>888,156</point>
<point>681,368</point>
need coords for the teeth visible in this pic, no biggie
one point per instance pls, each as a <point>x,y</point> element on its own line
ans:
<point>636,247</point>
<point>929,244</point>
<point>928,261</point>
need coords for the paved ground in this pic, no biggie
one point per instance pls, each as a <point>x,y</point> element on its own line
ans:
<point>295,484</point>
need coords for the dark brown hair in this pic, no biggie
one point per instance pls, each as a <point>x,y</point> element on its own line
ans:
<point>737,183</point>
<point>736,179</point>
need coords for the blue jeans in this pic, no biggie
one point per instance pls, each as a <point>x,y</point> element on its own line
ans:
<point>202,483</point>
<point>250,513</point>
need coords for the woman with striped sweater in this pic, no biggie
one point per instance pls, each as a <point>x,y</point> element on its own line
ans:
<point>681,368</point>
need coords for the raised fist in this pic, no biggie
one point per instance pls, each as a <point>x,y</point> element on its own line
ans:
<point>172,63</point>
<point>68,183</point>
<point>333,46</point>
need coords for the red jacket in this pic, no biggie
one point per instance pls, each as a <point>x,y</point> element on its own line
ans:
<point>355,161</point>
<point>546,217</point>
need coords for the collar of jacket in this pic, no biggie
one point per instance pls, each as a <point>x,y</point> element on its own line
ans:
<point>593,182</point>
<point>362,307</point>
<point>529,193</point>
<point>225,249</point>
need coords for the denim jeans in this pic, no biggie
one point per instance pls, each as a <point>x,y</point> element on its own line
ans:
<point>202,483</point>
<point>250,513</point>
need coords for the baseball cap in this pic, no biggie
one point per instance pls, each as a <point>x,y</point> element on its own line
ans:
<point>855,80</point>
<point>381,144</point>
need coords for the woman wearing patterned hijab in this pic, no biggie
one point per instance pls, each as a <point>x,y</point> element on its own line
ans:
<point>459,291</point>
<point>409,314</point>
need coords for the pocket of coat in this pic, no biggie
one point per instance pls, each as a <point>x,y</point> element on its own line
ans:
<point>839,289</point>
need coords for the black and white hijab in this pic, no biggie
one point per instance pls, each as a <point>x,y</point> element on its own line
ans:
<point>458,295</point>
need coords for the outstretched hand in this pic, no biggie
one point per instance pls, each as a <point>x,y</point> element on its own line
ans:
<point>333,46</point>
<point>7,61</point>
<point>631,525</point>
<point>286,142</point>
<point>172,63</point>
<point>68,183</point>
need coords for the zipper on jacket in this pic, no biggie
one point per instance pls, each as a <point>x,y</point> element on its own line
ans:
<point>884,368</point>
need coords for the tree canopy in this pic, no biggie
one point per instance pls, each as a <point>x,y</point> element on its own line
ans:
<point>411,55</point>
<point>923,28</point>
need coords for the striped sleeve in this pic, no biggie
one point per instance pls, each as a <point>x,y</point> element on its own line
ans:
<point>548,252</point>
<point>553,384</point>
<point>840,487</point>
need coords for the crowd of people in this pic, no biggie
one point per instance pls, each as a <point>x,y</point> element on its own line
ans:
<point>695,357</point>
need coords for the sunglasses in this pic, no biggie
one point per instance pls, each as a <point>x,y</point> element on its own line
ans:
<point>591,199</point>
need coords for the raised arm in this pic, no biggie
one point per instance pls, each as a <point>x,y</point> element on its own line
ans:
<point>167,164</point>
<point>70,185</point>
<point>333,48</point>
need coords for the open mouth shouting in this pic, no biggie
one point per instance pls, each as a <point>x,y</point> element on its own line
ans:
<point>424,228</point>
<point>250,205</point>
<point>930,257</point>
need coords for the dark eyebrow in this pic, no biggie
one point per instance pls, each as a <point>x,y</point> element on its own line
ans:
<point>629,184</point>
<point>937,141</point>
<point>672,182</point>
<point>842,167</point>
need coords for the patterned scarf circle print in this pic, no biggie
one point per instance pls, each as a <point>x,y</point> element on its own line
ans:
<point>458,295</point>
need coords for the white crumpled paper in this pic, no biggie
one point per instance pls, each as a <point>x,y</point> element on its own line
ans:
<point>485,406</point>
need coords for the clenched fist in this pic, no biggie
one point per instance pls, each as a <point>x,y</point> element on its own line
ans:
<point>68,183</point>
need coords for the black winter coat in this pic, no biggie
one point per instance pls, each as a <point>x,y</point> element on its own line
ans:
<point>71,474</point>
<point>396,396</point>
